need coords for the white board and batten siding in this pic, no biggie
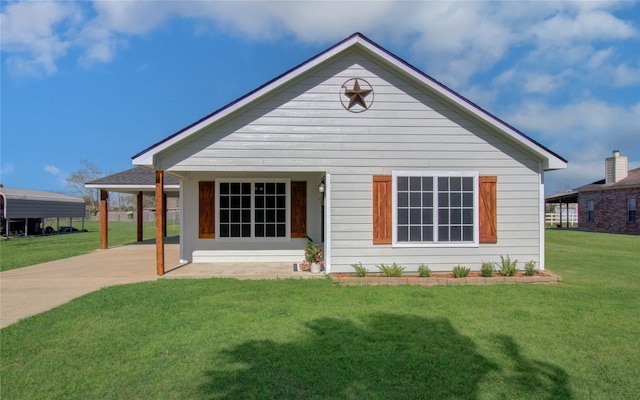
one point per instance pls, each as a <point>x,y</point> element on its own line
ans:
<point>303,128</point>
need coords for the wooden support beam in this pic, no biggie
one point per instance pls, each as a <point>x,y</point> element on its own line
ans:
<point>139,213</point>
<point>166,212</point>
<point>160,216</point>
<point>104,219</point>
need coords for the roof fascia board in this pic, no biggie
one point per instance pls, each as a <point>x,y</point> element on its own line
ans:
<point>43,199</point>
<point>146,157</point>
<point>129,187</point>
<point>550,160</point>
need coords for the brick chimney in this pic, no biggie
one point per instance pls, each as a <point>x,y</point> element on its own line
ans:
<point>616,168</point>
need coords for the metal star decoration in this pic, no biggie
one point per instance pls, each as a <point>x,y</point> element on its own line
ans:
<point>356,94</point>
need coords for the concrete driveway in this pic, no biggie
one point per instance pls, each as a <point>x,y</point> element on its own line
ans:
<point>31,290</point>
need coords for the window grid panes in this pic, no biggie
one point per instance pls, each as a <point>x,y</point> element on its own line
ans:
<point>415,209</point>
<point>235,209</point>
<point>590,212</point>
<point>252,210</point>
<point>270,209</point>
<point>455,209</point>
<point>434,209</point>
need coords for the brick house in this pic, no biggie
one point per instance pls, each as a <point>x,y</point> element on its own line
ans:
<point>609,205</point>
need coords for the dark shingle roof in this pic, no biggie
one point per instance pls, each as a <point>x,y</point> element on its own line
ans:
<point>134,177</point>
<point>632,180</point>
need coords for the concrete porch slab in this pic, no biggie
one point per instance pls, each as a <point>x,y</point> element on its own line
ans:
<point>240,270</point>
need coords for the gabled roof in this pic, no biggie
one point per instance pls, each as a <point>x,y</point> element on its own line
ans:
<point>35,195</point>
<point>359,41</point>
<point>632,180</point>
<point>133,180</point>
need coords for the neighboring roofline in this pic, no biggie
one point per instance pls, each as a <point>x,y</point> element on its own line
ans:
<point>610,187</point>
<point>552,160</point>
<point>561,197</point>
<point>605,188</point>
<point>35,195</point>
<point>600,184</point>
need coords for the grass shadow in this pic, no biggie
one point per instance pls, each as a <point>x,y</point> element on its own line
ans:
<point>528,376</point>
<point>388,356</point>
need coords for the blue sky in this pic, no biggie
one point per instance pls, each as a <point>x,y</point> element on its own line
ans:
<point>101,81</point>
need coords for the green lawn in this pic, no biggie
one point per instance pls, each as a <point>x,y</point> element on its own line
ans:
<point>21,252</point>
<point>297,339</point>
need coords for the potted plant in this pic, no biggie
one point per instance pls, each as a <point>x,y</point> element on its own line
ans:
<point>313,256</point>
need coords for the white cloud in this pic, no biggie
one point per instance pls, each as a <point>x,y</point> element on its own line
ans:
<point>52,169</point>
<point>455,40</point>
<point>623,75</point>
<point>598,58</point>
<point>541,83</point>
<point>6,169</point>
<point>583,26</point>
<point>585,133</point>
<point>33,35</point>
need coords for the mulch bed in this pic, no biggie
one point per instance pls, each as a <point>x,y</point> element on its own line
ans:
<point>446,279</point>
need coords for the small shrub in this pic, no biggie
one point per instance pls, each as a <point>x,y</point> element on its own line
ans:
<point>424,271</point>
<point>361,270</point>
<point>508,267</point>
<point>391,271</point>
<point>530,268</point>
<point>461,272</point>
<point>487,269</point>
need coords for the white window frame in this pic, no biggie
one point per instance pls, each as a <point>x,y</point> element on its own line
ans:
<point>253,181</point>
<point>435,175</point>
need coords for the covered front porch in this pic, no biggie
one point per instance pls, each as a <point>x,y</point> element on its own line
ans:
<point>250,218</point>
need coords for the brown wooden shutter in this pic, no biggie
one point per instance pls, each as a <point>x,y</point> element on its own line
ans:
<point>488,209</point>
<point>382,209</point>
<point>298,209</point>
<point>207,210</point>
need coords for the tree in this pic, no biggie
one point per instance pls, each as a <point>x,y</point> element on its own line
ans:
<point>122,201</point>
<point>88,173</point>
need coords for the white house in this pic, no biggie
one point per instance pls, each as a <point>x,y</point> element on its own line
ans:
<point>411,172</point>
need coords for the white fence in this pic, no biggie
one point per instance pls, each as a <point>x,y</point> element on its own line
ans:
<point>554,218</point>
<point>147,215</point>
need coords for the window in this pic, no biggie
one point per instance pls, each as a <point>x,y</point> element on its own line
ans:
<point>253,209</point>
<point>434,208</point>
<point>590,212</point>
<point>631,207</point>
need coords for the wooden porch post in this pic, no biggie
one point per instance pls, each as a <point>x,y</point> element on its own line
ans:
<point>160,216</point>
<point>166,212</point>
<point>104,219</point>
<point>139,214</point>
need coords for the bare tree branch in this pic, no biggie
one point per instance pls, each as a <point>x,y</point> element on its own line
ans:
<point>89,172</point>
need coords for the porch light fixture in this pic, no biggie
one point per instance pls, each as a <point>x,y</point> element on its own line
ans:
<point>321,187</point>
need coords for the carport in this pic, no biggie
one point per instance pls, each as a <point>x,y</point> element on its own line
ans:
<point>140,182</point>
<point>29,207</point>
